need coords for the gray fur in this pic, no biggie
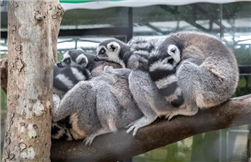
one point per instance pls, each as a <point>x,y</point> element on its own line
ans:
<point>144,91</point>
<point>74,67</point>
<point>208,74</point>
<point>100,105</point>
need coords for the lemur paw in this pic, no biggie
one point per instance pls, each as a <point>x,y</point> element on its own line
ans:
<point>133,128</point>
<point>108,69</point>
<point>170,115</point>
<point>213,70</point>
<point>220,77</point>
<point>88,140</point>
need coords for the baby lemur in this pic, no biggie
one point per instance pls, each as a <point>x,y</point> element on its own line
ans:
<point>206,74</point>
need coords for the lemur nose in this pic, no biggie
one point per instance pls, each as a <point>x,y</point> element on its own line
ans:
<point>59,64</point>
<point>96,58</point>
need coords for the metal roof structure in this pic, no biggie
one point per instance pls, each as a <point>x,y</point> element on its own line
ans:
<point>86,22</point>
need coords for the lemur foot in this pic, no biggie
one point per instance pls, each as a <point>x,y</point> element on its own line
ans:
<point>133,128</point>
<point>88,140</point>
<point>186,111</point>
<point>170,115</point>
<point>144,121</point>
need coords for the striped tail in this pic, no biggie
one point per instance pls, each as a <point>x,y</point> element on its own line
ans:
<point>163,75</point>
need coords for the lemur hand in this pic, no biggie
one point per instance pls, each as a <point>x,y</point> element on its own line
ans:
<point>108,69</point>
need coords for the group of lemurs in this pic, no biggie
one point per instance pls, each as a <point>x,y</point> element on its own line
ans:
<point>129,85</point>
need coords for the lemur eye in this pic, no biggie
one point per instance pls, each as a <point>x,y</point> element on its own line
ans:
<point>102,51</point>
<point>67,61</point>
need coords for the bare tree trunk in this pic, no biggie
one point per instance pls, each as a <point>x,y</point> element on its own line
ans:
<point>32,49</point>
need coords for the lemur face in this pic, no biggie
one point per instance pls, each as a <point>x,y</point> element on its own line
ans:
<point>173,53</point>
<point>108,51</point>
<point>170,50</point>
<point>73,58</point>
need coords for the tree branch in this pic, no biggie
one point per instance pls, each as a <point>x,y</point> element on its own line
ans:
<point>118,146</point>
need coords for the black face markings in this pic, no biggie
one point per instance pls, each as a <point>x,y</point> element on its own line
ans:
<point>152,60</point>
<point>170,61</point>
<point>60,65</point>
<point>159,74</point>
<point>67,60</point>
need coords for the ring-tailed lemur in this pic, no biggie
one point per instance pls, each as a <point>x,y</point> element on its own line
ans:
<point>94,107</point>
<point>134,56</point>
<point>74,67</point>
<point>208,72</point>
<point>162,71</point>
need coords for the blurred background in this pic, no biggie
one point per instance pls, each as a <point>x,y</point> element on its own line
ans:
<point>86,23</point>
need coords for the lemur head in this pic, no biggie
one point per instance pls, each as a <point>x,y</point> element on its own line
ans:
<point>170,50</point>
<point>73,58</point>
<point>112,50</point>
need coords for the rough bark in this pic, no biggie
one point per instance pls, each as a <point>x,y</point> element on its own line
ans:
<point>117,146</point>
<point>32,49</point>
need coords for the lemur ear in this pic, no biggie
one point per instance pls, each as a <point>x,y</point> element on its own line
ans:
<point>82,60</point>
<point>113,46</point>
<point>174,52</point>
<point>172,49</point>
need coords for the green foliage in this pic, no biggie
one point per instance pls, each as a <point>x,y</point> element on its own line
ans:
<point>3,55</point>
<point>60,56</point>
<point>3,100</point>
<point>243,55</point>
<point>244,86</point>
